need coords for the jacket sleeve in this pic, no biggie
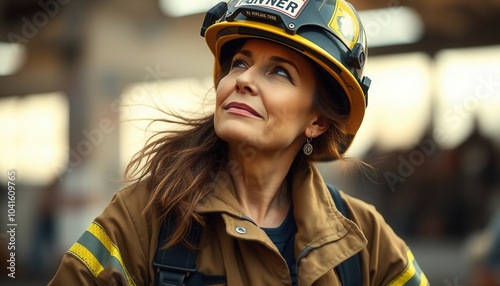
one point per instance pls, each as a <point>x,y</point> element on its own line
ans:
<point>386,260</point>
<point>114,249</point>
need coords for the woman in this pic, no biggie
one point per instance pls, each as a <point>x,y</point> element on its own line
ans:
<point>289,91</point>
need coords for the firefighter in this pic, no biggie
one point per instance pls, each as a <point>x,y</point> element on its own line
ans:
<point>234,198</point>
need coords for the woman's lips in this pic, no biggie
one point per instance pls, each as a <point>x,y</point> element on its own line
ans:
<point>242,109</point>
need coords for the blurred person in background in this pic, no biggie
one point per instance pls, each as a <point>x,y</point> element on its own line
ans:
<point>290,91</point>
<point>484,254</point>
<point>44,237</point>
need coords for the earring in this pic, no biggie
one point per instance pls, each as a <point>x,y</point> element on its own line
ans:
<point>308,148</point>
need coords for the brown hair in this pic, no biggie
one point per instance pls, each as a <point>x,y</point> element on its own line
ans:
<point>181,166</point>
<point>332,104</point>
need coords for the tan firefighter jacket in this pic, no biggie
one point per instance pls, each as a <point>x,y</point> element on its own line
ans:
<point>119,246</point>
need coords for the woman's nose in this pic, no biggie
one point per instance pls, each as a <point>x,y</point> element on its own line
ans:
<point>245,82</point>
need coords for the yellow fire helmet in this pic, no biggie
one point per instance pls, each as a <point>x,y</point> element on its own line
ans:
<point>329,32</point>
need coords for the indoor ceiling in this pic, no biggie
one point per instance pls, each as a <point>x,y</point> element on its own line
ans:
<point>447,23</point>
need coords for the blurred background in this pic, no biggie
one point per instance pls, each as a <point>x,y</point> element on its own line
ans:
<point>79,81</point>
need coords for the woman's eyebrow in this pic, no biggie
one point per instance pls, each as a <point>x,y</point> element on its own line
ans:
<point>246,53</point>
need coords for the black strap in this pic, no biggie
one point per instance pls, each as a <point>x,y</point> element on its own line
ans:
<point>172,270</point>
<point>176,266</point>
<point>350,270</point>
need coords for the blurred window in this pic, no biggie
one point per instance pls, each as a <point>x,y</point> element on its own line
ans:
<point>34,132</point>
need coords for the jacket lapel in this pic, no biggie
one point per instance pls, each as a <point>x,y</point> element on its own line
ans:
<point>325,237</point>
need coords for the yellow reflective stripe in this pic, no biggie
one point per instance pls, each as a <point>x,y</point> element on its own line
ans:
<point>412,275</point>
<point>97,251</point>
<point>85,256</point>
<point>98,231</point>
<point>424,281</point>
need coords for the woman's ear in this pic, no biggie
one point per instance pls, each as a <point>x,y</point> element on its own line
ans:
<point>317,126</point>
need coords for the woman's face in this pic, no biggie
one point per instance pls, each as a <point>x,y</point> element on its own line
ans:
<point>265,101</point>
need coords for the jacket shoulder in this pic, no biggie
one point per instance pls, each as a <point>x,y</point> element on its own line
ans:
<point>117,244</point>
<point>386,254</point>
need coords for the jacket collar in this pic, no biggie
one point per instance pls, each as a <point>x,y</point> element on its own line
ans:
<point>320,225</point>
<point>222,199</point>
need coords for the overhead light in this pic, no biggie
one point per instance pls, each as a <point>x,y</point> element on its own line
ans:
<point>176,8</point>
<point>392,26</point>
<point>12,56</point>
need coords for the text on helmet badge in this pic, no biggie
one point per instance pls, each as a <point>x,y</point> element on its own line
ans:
<point>291,8</point>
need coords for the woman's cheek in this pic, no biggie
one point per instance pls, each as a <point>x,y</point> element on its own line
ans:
<point>223,90</point>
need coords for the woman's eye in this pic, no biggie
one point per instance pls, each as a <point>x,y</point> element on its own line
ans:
<point>282,72</point>
<point>238,64</point>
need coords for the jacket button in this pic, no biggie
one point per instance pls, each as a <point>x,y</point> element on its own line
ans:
<point>240,230</point>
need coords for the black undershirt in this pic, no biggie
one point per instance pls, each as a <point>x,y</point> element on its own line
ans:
<point>283,237</point>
